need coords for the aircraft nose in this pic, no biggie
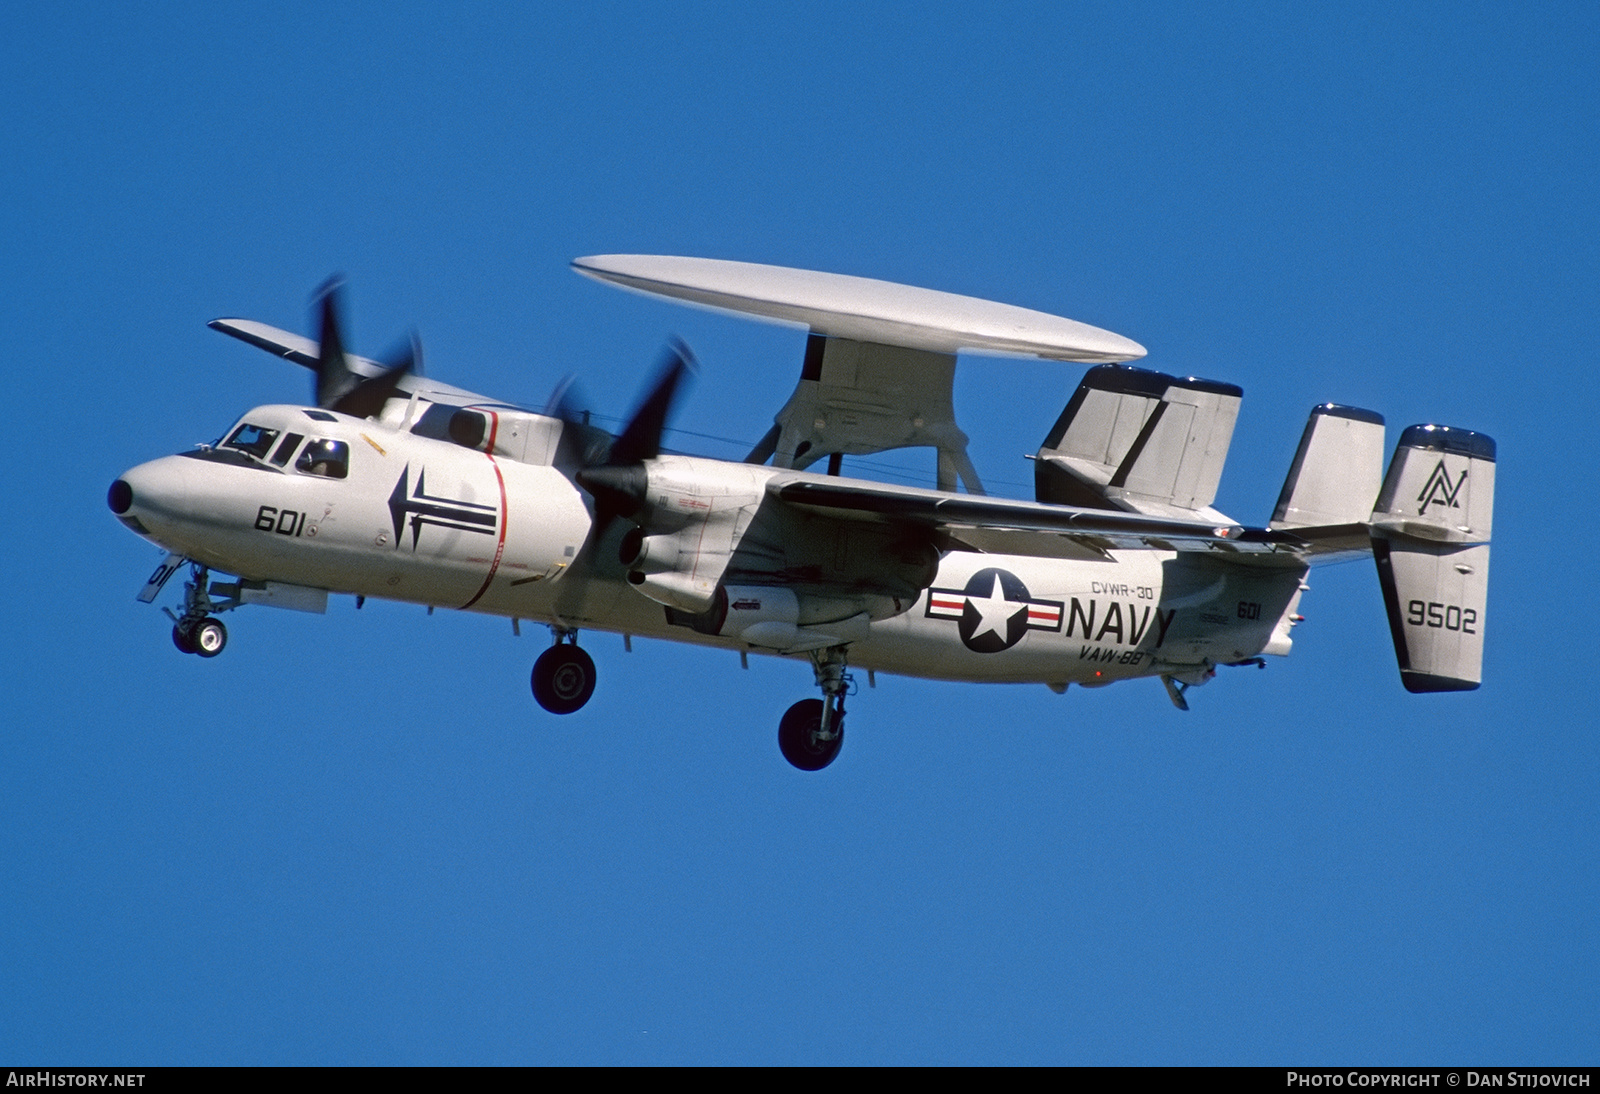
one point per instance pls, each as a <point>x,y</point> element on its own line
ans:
<point>152,490</point>
<point>120,497</point>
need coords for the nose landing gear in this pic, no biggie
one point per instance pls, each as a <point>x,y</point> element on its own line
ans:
<point>563,675</point>
<point>195,631</point>
<point>204,636</point>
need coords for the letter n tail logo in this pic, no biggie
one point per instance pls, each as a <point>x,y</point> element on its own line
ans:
<point>1439,490</point>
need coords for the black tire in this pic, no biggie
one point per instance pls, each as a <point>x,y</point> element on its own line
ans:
<point>797,736</point>
<point>563,679</point>
<point>208,637</point>
<point>181,639</point>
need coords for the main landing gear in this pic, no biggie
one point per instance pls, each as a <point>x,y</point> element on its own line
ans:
<point>196,631</point>
<point>812,730</point>
<point>563,676</point>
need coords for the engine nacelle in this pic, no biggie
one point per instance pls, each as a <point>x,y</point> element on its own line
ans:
<point>673,569</point>
<point>650,554</point>
<point>692,513</point>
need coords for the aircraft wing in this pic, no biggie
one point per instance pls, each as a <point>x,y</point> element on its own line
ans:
<point>1021,527</point>
<point>291,347</point>
<point>303,351</point>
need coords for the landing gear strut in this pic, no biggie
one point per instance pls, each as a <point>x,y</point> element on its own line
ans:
<point>195,631</point>
<point>813,729</point>
<point>563,675</point>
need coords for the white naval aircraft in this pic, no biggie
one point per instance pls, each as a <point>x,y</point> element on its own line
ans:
<point>397,486</point>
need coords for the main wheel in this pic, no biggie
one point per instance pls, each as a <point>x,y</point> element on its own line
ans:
<point>799,736</point>
<point>182,639</point>
<point>208,637</point>
<point>563,679</point>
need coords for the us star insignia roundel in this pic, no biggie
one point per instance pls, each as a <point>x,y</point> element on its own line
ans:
<point>994,611</point>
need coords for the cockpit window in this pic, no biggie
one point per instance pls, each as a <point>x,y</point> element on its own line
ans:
<point>330,459</point>
<point>286,449</point>
<point>252,439</point>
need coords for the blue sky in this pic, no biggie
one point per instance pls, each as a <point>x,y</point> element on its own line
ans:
<point>354,839</point>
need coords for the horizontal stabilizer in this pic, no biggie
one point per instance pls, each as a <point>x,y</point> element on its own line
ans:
<point>1139,441</point>
<point>1430,539</point>
<point>1336,471</point>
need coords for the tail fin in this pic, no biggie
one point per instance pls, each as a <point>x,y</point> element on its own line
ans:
<point>1336,471</point>
<point>1140,441</point>
<point>1430,537</point>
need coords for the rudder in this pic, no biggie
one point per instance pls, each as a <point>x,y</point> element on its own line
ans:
<point>1430,538</point>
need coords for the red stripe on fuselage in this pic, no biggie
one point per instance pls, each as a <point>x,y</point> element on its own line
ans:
<point>500,546</point>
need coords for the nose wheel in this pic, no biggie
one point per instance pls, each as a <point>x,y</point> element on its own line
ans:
<point>563,675</point>
<point>196,630</point>
<point>204,636</point>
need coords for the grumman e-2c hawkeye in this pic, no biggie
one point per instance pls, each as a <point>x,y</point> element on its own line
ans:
<point>396,486</point>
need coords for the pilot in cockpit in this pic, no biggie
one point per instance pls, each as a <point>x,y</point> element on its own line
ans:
<point>330,459</point>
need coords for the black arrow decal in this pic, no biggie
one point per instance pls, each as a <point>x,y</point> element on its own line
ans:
<point>463,516</point>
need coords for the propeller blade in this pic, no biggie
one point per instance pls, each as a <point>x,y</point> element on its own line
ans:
<point>340,388</point>
<point>618,490</point>
<point>581,445</point>
<point>564,399</point>
<point>616,478</point>
<point>366,396</point>
<point>640,439</point>
<point>334,377</point>
<point>619,485</point>
<point>406,354</point>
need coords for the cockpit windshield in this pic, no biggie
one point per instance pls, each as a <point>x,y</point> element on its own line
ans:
<point>265,448</point>
<point>252,439</point>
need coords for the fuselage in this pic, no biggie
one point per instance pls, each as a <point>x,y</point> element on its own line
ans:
<point>309,498</point>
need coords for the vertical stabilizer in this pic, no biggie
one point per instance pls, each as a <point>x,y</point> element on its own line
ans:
<point>1430,538</point>
<point>1336,471</point>
<point>1139,441</point>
